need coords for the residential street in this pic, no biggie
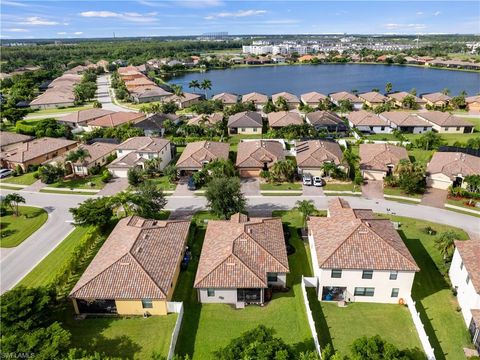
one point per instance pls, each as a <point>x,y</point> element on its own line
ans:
<point>103,95</point>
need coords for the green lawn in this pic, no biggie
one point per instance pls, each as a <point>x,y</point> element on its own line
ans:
<point>80,183</point>
<point>163,183</point>
<point>73,192</point>
<point>15,229</point>
<point>450,138</point>
<point>475,121</point>
<point>341,187</point>
<point>25,179</point>
<point>209,327</point>
<point>420,156</point>
<point>298,193</point>
<point>396,191</point>
<point>281,186</point>
<point>60,110</point>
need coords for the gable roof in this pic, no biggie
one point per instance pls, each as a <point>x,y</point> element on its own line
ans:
<point>343,95</point>
<point>315,153</point>
<point>9,138</point>
<point>256,97</point>
<point>250,119</point>
<point>54,96</point>
<point>155,122</point>
<point>206,120</point>
<point>238,253</point>
<point>357,240</point>
<point>399,96</point>
<point>149,91</point>
<point>434,97</point>
<point>379,156</point>
<point>373,97</point>
<point>137,261</point>
<point>143,144</point>
<point>443,119</point>
<point>312,97</point>
<point>35,148</point>
<point>290,98</point>
<point>284,118</point>
<point>196,153</point>
<point>84,116</point>
<point>226,98</point>
<point>472,99</point>
<point>324,118</point>
<point>403,118</point>
<point>184,98</point>
<point>365,118</point>
<point>453,163</point>
<point>117,118</point>
<point>257,152</point>
<point>469,251</point>
<point>96,151</point>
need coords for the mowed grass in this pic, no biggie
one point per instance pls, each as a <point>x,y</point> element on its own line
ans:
<point>163,183</point>
<point>89,182</point>
<point>281,186</point>
<point>59,110</point>
<point>15,229</point>
<point>420,156</point>
<point>396,191</point>
<point>449,138</point>
<point>25,179</point>
<point>341,187</point>
<point>208,327</point>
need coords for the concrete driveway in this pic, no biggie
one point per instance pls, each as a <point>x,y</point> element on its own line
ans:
<point>250,186</point>
<point>373,189</point>
<point>114,186</point>
<point>312,190</point>
<point>434,197</point>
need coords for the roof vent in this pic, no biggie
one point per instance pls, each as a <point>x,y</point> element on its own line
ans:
<point>368,224</point>
<point>155,222</point>
<point>124,263</point>
<point>249,230</point>
<point>146,236</point>
<point>230,264</point>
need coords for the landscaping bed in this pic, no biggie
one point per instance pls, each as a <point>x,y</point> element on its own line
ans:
<point>16,229</point>
<point>90,182</point>
<point>396,191</point>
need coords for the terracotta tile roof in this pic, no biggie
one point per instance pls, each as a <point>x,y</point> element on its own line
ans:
<point>399,96</point>
<point>312,97</point>
<point>238,253</point>
<point>96,151</point>
<point>54,96</point>
<point>257,98</point>
<point>290,98</point>
<point>472,99</point>
<point>453,163</point>
<point>469,251</point>
<point>226,98</point>
<point>35,148</point>
<point>84,116</point>
<point>186,97</point>
<point>373,97</point>
<point>434,97</point>
<point>255,153</point>
<point>284,118</point>
<point>117,118</point>
<point>315,153</point>
<point>206,120</point>
<point>149,91</point>
<point>126,162</point>
<point>9,138</point>
<point>139,82</point>
<point>443,119</point>
<point>378,156</point>
<point>199,152</point>
<point>343,95</point>
<point>249,119</point>
<point>137,261</point>
<point>155,122</point>
<point>144,144</point>
<point>403,118</point>
<point>365,118</point>
<point>345,241</point>
<point>324,118</point>
<point>128,70</point>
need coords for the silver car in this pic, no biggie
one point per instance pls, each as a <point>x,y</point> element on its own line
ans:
<point>307,180</point>
<point>317,181</point>
<point>5,172</point>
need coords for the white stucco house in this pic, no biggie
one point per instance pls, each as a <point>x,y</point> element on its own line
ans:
<point>447,169</point>
<point>368,123</point>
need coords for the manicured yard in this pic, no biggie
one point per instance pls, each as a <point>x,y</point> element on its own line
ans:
<point>60,110</point>
<point>396,191</point>
<point>462,202</point>
<point>163,183</point>
<point>450,138</point>
<point>25,179</point>
<point>420,156</point>
<point>16,229</point>
<point>73,192</point>
<point>209,327</point>
<point>90,182</point>
<point>281,186</point>
<point>474,121</point>
<point>341,187</point>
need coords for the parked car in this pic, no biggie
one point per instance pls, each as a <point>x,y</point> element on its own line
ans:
<point>317,181</point>
<point>5,172</point>
<point>191,184</point>
<point>307,179</point>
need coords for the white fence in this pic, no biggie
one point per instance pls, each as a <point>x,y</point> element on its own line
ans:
<point>175,307</point>
<point>420,329</point>
<point>311,282</point>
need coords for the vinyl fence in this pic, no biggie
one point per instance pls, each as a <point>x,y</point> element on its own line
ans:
<point>420,329</point>
<point>175,307</point>
<point>310,282</point>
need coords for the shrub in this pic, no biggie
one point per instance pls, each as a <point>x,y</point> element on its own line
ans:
<point>135,176</point>
<point>18,170</point>
<point>94,170</point>
<point>106,176</point>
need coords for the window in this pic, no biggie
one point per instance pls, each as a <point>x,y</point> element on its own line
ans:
<point>147,303</point>
<point>272,277</point>
<point>458,128</point>
<point>468,279</point>
<point>120,151</point>
<point>78,168</point>
<point>362,291</point>
<point>382,128</point>
<point>394,292</point>
<point>336,273</point>
<point>446,129</point>
<point>242,129</point>
<point>393,275</point>
<point>210,292</point>
<point>367,274</point>
<point>461,265</point>
<point>255,129</point>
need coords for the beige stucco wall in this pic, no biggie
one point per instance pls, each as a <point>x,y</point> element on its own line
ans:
<point>248,130</point>
<point>134,307</point>
<point>312,171</point>
<point>475,106</point>
<point>249,172</point>
<point>449,129</point>
<point>373,174</point>
<point>439,181</point>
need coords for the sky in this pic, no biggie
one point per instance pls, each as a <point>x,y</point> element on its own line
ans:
<point>30,19</point>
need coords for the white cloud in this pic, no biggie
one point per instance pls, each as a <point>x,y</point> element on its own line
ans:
<point>16,30</point>
<point>395,26</point>
<point>198,3</point>
<point>436,13</point>
<point>101,14</point>
<point>78,33</point>
<point>419,13</point>
<point>62,33</point>
<point>36,20</point>
<point>238,14</point>
<point>281,22</point>
<point>14,3</point>
<point>128,16</point>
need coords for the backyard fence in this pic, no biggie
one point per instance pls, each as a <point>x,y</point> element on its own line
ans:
<point>420,329</point>
<point>310,282</point>
<point>175,307</point>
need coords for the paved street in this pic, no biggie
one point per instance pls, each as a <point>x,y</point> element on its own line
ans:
<point>103,95</point>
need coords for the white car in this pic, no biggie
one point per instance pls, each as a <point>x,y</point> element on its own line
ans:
<point>5,172</point>
<point>307,180</point>
<point>317,181</point>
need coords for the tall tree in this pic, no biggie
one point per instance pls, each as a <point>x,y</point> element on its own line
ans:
<point>446,243</point>
<point>224,196</point>
<point>306,208</point>
<point>95,212</point>
<point>13,201</point>
<point>388,87</point>
<point>194,84</point>
<point>206,85</point>
<point>80,154</point>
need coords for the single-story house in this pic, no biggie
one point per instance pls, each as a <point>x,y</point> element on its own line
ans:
<point>81,118</point>
<point>245,122</point>
<point>398,98</point>
<point>257,155</point>
<point>436,99</point>
<point>53,99</point>
<point>444,122</point>
<point>358,257</point>
<point>143,94</point>
<point>136,269</point>
<point>10,140</point>
<point>35,152</point>
<point>184,101</point>
<point>241,259</point>
<point>368,122</point>
<point>139,83</point>
<point>199,153</point>
<point>473,103</point>
<point>128,73</point>
<point>292,100</point>
<point>447,169</point>
<point>326,121</point>
<point>226,98</point>
<point>312,154</point>
<point>281,119</point>
<point>312,98</point>
<point>206,119</point>
<point>379,160</point>
<point>337,97</point>
<point>153,124</point>
<point>135,151</point>
<point>115,119</point>
<point>373,99</point>
<point>258,99</point>
<point>464,274</point>
<point>406,122</point>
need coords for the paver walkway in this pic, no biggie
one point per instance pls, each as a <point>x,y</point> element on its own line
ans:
<point>182,188</point>
<point>434,197</point>
<point>114,186</point>
<point>373,189</point>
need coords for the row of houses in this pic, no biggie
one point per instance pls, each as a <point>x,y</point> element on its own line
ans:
<point>59,93</point>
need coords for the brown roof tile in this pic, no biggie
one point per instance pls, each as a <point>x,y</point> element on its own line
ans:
<point>9,138</point>
<point>290,98</point>
<point>312,97</point>
<point>315,153</point>
<point>84,116</point>
<point>255,97</point>
<point>365,118</point>
<point>453,163</point>
<point>284,118</point>
<point>443,119</point>
<point>403,118</point>
<point>379,156</point>
<point>255,153</point>
<point>199,152</point>
<point>206,120</point>
<point>249,119</point>
<point>469,251</point>
<point>434,97</point>
<point>226,98</point>
<point>117,119</point>
<point>35,148</point>
<point>373,97</point>
<point>343,95</point>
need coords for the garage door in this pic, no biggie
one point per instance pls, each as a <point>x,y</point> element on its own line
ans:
<point>313,172</point>
<point>249,173</point>
<point>438,184</point>
<point>373,175</point>
<point>119,173</point>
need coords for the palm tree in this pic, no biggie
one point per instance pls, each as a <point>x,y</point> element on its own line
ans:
<point>351,160</point>
<point>206,85</point>
<point>306,208</point>
<point>446,243</point>
<point>177,90</point>
<point>446,91</point>
<point>13,200</point>
<point>194,84</point>
<point>329,168</point>
<point>388,87</point>
<point>124,200</point>
<point>145,109</point>
<point>78,155</point>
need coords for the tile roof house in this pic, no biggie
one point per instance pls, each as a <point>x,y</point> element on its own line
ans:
<point>134,151</point>
<point>81,118</point>
<point>343,95</point>
<point>149,93</point>
<point>153,125</point>
<point>447,169</point>
<point>368,122</point>
<point>35,152</point>
<point>379,160</point>
<point>373,99</point>
<point>444,122</point>
<point>253,156</point>
<point>359,257</point>
<point>10,140</point>
<point>206,120</point>
<point>240,259</point>
<point>258,99</point>
<point>406,122</point>
<point>184,101</point>
<point>312,154</point>
<point>226,98</point>
<point>136,269</point>
<point>59,93</point>
<point>281,119</point>
<point>245,122</point>
<point>398,98</point>
<point>115,119</point>
<point>312,98</point>
<point>473,103</point>
<point>436,99</point>
<point>197,154</point>
<point>292,100</point>
<point>326,121</point>
<point>464,274</point>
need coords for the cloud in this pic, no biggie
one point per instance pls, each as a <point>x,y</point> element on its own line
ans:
<point>419,13</point>
<point>14,3</point>
<point>36,20</point>
<point>128,16</point>
<point>238,14</point>
<point>436,13</point>
<point>395,26</point>
<point>198,3</point>
<point>78,33</point>
<point>281,22</point>
<point>62,33</point>
<point>16,30</point>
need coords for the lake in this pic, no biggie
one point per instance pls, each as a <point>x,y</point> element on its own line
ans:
<point>328,78</point>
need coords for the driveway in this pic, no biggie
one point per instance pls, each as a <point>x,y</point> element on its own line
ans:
<point>312,190</point>
<point>250,186</point>
<point>103,95</point>
<point>373,189</point>
<point>114,186</point>
<point>434,197</point>
<point>182,188</point>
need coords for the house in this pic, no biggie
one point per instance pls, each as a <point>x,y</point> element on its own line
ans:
<point>337,97</point>
<point>197,154</point>
<point>206,120</point>
<point>128,73</point>
<point>258,155</point>
<point>464,274</point>
<point>444,122</point>
<point>53,99</point>
<point>436,99</point>
<point>245,122</point>
<point>292,100</point>
<point>153,125</point>
<point>242,259</point>
<point>473,103</point>
<point>373,99</point>
<point>281,119</point>
<point>143,94</point>
<point>136,269</point>
<point>447,169</point>
<point>35,152</point>
<point>278,59</point>
<point>398,98</point>
<point>306,58</point>
<point>80,119</point>
<point>185,100</point>
<point>313,154</point>
<point>312,98</point>
<point>103,64</point>
<point>358,257</point>
<point>326,121</point>
<point>406,122</point>
<point>134,152</point>
<point>10,140</point>
<point>368,123</point>
<point>379,160</point>
<point>139,83</point>
<point>115,119</point>
<point>258,99</point>
<point>226,98</point>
